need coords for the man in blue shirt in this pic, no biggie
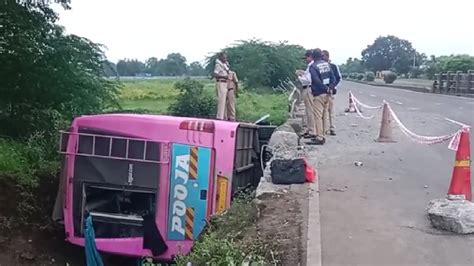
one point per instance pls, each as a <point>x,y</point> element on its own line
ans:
<point>322,83</point>
<point>328,114</point>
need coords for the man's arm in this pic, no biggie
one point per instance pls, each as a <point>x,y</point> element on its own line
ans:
<point>219,71</point>
<point>337,74</point>
<point>236,81</point>
<point>332,80</point>
<point>305,78</point>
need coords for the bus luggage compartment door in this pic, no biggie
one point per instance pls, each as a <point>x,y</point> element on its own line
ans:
<point>189,191</point>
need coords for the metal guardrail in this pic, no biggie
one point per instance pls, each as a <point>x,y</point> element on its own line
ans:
<point>454,82</point>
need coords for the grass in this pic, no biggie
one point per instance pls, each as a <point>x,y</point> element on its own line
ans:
<point>13,161</point>
<point>156,95</point>
<point>28,179</point>
<point>24,161</point>
<point>230,238</point>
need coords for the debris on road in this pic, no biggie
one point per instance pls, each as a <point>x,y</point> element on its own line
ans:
<point>425,186</point>
<point>336,189</point>
<point>454,214</point>
<point>357,163</point>
<point>267,187</point>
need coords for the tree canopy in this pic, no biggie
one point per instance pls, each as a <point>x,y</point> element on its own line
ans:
<point>47,75</point>
<point>390,53</point>
<point>353,65</point>
<point>174,64</point>
<point>261,63</point>
<point>446,63</point>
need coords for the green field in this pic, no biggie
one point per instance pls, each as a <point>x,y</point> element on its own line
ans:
<point>155,96</point>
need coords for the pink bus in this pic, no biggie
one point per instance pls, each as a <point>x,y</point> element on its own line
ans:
<point>124,169</point>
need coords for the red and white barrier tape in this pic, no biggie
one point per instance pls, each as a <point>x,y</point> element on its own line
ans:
<point>429,140</point>
<point>360,113</point>
<point>354,99</point>
<point>356,102</point>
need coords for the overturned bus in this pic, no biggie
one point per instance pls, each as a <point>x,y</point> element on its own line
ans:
<point>151,182</point>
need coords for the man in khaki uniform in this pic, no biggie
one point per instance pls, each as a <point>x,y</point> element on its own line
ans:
<point>232,90</point>
<point>305,79</point>
<point>221,74</point>
<point>322,81</point>
<point>328,113</point>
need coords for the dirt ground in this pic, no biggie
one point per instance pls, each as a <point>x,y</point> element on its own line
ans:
<point>283,220</point>
<point>26,235</point>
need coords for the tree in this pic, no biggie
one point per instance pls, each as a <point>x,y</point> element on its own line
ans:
<point>259,63</point>
<point>448,63</point>
<point>47,76</point>
<point>110,69</point>
<point>389,52</point>
<point>122,68</point>
<point>152,66</point>
<point>457,63</point>
<point>132,67</point>
<point>196,69</point>
<point>352,66</point>
<point>174,65</point>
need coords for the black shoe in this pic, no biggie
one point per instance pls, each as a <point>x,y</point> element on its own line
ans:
<point>331,132</point>
<point>317,142</point>
<point>309,136</point>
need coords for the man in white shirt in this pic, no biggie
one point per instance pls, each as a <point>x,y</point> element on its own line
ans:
<point>221,74</point>
<point>305,79</point>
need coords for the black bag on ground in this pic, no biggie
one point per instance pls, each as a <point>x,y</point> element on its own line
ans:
<point>288,171</point>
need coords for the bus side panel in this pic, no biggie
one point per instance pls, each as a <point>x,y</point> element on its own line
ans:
<point>189,189</point>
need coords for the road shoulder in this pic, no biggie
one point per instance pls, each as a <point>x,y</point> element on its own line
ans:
<point>313,246</point>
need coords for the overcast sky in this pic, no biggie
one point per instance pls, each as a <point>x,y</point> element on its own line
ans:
<point>145,28</point>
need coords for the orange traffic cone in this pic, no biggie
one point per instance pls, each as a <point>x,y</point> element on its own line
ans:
<point>386,127</point>
<point>351,108</point>
<point>461,179</point>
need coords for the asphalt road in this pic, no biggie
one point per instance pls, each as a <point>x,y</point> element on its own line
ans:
<point>375,214</point>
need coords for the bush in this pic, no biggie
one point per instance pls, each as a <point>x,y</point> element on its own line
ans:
<point>369,76</point>
<point>344,75</point>
<point>193,101</point>
<point>389,77</point>
<point>353,75</point>
<point>360,76</point>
